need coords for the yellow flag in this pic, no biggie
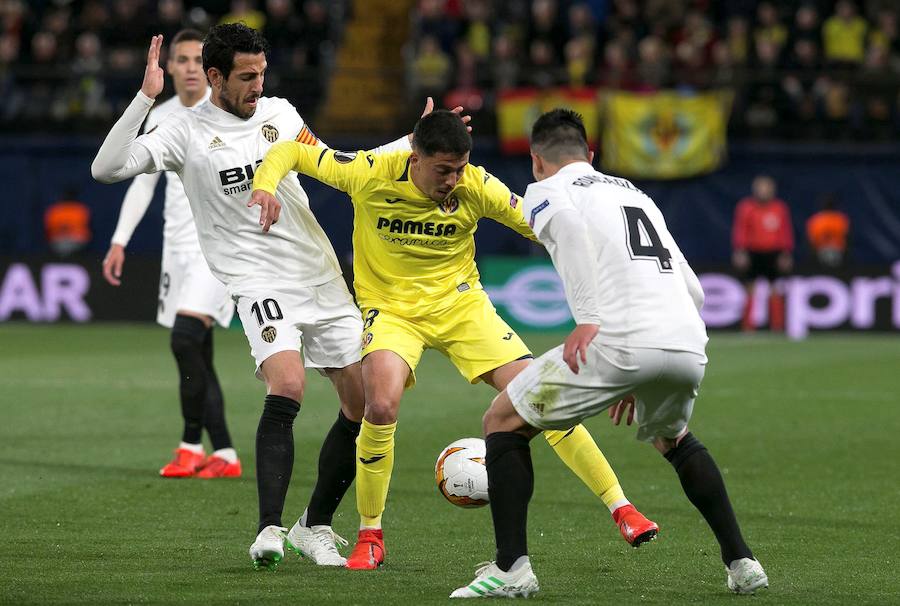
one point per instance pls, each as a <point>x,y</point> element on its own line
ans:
<point>664,135</point>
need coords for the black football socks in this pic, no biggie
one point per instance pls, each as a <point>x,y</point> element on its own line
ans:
<point>274,457</point>
<point>510,486</point>
<point>337,469</point>
<point>704,487</point>
<point>214,404</point>
<point>187,338</point>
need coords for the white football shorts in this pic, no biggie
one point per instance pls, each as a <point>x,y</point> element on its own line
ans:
<point>548,395</point>
<point>322,319</point>
<point>187,284</point>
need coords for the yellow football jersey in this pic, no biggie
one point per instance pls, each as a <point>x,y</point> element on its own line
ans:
<point>412,255</point>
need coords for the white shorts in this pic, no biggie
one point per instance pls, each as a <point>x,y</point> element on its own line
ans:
<point>324,319</point>
<point>187,284</point>
<point>548,395</point>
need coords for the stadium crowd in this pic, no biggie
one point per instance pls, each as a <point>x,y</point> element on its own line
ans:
<point>801,69</point>
<point>805,69</point>
<point>77,62</point>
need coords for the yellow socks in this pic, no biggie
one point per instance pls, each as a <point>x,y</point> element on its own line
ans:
<point>580,453</point>
<point>374,464</point>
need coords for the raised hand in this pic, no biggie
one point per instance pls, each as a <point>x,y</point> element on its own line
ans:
<point>270,208</point>
<point>429,107</point>
<point>153,74</point>
<point>112,264</point>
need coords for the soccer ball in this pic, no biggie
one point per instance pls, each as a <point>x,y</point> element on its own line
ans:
<point>461,475</point>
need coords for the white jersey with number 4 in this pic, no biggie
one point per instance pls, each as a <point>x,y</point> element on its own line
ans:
<point>215,153</point>
<point>643,298</point>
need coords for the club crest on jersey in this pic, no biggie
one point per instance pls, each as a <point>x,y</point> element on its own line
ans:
<point>268,334</point>
<point>450,205</point>
<point>344,157</point>
<point>270,133</point>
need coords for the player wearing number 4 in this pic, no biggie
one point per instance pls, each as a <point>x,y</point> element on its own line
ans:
<point>639,345</point>
<point>415,215</point>
<point>190,297</point>
<point>284,277</point>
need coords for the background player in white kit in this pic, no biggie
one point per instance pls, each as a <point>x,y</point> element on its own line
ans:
<point>639,344</point>
<point>277,264</point>
<point>190,297</point>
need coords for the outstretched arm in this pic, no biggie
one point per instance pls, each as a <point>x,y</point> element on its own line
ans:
<point>118,158</point>
<point>137,199</point>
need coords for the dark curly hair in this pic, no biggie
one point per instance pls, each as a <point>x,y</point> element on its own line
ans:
<point>223,41</point>
<point>441,131</point>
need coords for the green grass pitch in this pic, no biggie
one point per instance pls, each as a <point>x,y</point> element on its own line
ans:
<point>805,434</point>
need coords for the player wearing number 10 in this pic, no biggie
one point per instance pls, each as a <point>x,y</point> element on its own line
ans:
<point>277,265</point>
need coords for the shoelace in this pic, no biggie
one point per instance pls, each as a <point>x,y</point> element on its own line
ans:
<point>481,567</point>
<point>327,537</point>
<point>276,533</point>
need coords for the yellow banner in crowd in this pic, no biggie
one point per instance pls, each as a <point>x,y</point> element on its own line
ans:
<point>664,135</point>
<point>518,109</point>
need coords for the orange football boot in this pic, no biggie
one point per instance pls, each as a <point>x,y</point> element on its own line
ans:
<point>368,553</point>
<point>217,467</point>
<point>184,465</point>
<point>635,528</point>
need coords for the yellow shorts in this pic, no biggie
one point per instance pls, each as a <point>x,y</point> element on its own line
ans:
<point>470,333</point>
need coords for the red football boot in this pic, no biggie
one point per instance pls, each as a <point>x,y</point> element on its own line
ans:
<point>368,553</point>
<point>184,465</point>
<point>635,528</point>
<point>217,467</point>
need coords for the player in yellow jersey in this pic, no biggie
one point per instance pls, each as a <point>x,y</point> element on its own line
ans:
<point>415,214</point>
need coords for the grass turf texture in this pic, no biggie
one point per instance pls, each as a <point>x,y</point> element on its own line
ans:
<point>804,434</point>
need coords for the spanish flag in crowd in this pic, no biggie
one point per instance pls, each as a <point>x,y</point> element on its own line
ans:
<point>517,111</point>
<point>664,135</point>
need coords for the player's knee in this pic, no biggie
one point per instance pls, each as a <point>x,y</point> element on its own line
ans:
<point>683,449</point>
<point>289,387</point>
<point>381,411</point>
<point>187,337</point>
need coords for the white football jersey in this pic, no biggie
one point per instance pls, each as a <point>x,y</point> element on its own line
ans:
<point>215,154</point>
<point>179,232</point>
<point>644,301</point>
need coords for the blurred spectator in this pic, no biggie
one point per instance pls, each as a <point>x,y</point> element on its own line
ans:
<point>283,30</point>
<point>244,11</point>
<point>737,40</point>
<point>170,18</point>
<point>579,60</point>
<point>844,36</point>
<point>431,69</point>
<point>316,35</point>
<point>67,224</point>
<point>505,68</point>
<point>763,244</point>
<point>769,31</point>
<point>653,72</point>
<point>547,29</point>
<point>542,69</point>
<point>430,20</point>
<point>806,25</point>
<point>803,86</point>
<point>827,232</point>
<point>475,31</point>
<point>616,71</point>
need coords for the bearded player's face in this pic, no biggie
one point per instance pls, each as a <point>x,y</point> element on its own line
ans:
<point>240,92</point>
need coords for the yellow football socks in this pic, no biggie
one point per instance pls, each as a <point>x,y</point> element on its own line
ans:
<point>580,453</point>
<point>374,464</point>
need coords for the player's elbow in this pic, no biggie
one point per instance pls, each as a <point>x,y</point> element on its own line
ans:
<point>99,173</point>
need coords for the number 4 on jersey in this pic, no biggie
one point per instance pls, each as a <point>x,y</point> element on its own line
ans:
<point>643,240</point>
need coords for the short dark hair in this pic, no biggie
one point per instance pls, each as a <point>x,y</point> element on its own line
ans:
<point>185,35</point>
<point>559,134</point>
<point>441,131</point>
<point>223,41</point>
